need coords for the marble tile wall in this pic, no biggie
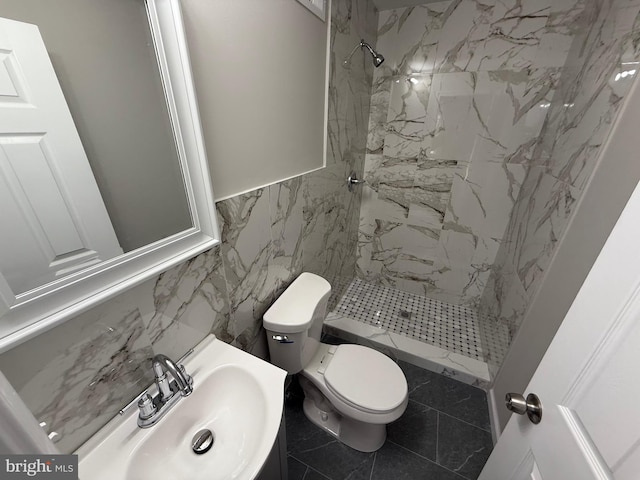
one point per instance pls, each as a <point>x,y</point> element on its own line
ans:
<point>77,376</point>
<point>456,111</point>
<point>602,62</point>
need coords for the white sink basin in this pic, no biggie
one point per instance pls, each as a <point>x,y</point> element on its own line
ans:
<point>236,395</point>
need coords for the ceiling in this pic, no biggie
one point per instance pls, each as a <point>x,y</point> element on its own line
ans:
<point>389,4</point>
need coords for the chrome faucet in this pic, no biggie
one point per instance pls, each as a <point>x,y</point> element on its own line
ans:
<point>153,408</point>
<point>163,364</point>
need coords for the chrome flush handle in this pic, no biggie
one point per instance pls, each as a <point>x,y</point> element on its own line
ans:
<point>281,339</point>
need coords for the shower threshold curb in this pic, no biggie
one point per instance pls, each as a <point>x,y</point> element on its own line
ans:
<point>436,359</point>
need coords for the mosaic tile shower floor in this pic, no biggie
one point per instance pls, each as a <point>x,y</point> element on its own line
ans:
<point>451,327</point>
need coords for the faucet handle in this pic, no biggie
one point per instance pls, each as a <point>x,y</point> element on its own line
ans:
<point>186,375</point>
<point>146,406</point>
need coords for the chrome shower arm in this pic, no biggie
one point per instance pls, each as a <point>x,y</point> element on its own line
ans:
<point>364,44</point>
<point>348,57</point>
<point>377,58</point>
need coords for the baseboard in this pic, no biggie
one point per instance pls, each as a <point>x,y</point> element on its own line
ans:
<point>493,415</point>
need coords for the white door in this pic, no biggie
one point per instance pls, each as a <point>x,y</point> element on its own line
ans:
<point>52,217</point>
<point>589,379</point>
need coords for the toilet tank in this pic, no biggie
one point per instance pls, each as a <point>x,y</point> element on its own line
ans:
<point>294,322</point>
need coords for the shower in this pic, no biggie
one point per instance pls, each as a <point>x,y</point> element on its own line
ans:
<point>377,58</point>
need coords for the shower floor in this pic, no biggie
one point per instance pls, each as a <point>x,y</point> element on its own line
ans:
<point>429,333</point>
<point>448,326</point>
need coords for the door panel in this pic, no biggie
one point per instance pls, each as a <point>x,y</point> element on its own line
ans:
<point>608,400</point>
<point>52,209</point>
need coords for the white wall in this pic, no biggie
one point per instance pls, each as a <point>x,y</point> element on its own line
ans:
<point>260,71</point>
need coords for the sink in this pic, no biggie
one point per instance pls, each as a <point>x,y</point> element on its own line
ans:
<point>236,396</point>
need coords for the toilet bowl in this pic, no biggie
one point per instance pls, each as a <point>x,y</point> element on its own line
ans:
<point>351,391</point>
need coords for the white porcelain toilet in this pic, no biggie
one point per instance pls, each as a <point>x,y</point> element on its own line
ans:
<point>351,391</point>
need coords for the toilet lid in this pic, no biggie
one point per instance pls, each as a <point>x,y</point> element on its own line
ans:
<point>366,378</point>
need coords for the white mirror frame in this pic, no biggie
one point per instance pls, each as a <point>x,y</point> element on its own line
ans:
<point>27,315</point>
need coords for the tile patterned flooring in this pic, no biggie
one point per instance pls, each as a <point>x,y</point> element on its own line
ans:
<point>443,435</point>
<point>452,327</point>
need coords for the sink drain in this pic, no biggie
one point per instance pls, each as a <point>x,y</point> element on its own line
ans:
<point>202,441</point>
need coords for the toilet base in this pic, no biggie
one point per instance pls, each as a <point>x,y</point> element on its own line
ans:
<point>364,437</point>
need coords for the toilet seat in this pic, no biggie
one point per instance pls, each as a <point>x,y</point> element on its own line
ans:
<point>366,379</point>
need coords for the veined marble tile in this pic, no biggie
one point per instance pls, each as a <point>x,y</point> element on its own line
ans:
<point>390,242</point>
<point>494,338</point>
<point>577,142</point>
<point>358,120</point>
<point>183,305</point>
<point>314,254</point>
<point>600,55</point>
<point>378,112</point>
<point>460,285</point>
<point>431,192</point>
<point>350,82</point>
<point>452,121</point>
<point>456,249</point>
<point>476,282</point>
<point>482,198</point>
<point>543,217</point>
<point>487,116</point>
<point>580,115</point>
<point>394,250</point>
<point>389,182</point>
<point>390,172</point>
<point>454,365</point>
<point>286,214</point>
<point>576,147</point>
<point>80,374</point>
<point>336,245</point>
<point>403,37</point>
<point>337,140</point>
<point>514,304</point>
<point>563,24</point>
<point>246,250</point>
<point>491,35</point>
<point>508,303</point>
<point>285,209</point>
<point>337,135</point>
<point>406,116</point>
<point>392,202</point>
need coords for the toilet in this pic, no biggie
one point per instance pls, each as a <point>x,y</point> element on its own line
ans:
<point>351,391</point>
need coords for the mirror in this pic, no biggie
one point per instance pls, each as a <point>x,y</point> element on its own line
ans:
<point>103,174</point>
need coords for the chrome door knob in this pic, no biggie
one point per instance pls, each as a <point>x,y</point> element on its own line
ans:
<point>532,406</point>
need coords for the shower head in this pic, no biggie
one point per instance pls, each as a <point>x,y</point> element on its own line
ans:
<point>377,58</point>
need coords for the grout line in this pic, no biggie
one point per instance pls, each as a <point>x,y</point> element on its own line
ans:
<point>430,461</point>
<point>375,456</point>
<point>449,415</point>
<point>437,436</point>
<point>311,469</point>
<point>487,430</point>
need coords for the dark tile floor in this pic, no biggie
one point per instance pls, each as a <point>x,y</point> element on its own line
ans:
<point>443,435</point>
